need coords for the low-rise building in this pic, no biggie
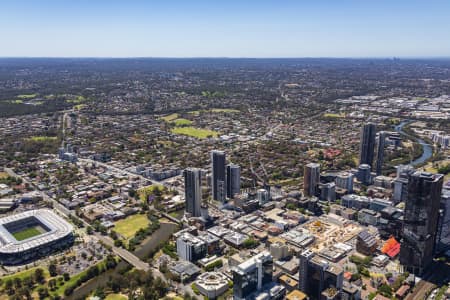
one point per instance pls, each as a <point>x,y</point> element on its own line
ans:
<point>212,284</point>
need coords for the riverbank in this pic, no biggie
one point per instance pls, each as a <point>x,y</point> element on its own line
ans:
<point>147,247</point>
<point>427,150</point>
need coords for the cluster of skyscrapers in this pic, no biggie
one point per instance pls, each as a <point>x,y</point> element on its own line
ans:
<point>367,147</point>
<point>225,183</point>
<point>424,227</point>
<point>425,213</point>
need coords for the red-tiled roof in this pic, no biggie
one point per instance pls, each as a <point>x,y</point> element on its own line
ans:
<point>391,247</point>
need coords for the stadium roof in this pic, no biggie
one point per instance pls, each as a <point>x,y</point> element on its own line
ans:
<point>59,228</point>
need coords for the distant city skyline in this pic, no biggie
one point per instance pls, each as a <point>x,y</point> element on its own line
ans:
<point>200,28</point>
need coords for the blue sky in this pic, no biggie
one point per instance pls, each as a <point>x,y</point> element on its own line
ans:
<point>228,28</point>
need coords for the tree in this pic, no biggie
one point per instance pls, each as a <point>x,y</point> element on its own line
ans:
<point>17,283</point>
<point>52,284</point>
<point>99,292</point>
<point>111,262</point>
<point>385,290</point>
<point>250,243</point>
<point>103,230</point>
<point>52,270</point>
<point>43,292</point>
<point>9,286</point>
<point>28,282</point>
<point>24,292</point>
<point>113,235</point>
<point>66,276</point>
<point>39,275</point>
<point>355,277</point>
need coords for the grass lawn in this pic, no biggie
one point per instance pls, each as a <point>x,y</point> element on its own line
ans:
<point>79,106</point>
<point>42,138</point>
<point>77,100</point>
<point>27,233</point>
<point>26,96</point>
<point>61,288</point>
<point>334,115</point>
<point>195,132</point>
<point>170,117</point>
<point>145,191</point>
<point>15,101</point>
<point>224,110</point>
<point>129,226</point>
<point>24,274</point>
<point>182,122</point>
<point>3,175</point>
<point>429,167</point>
<point>116,297</point>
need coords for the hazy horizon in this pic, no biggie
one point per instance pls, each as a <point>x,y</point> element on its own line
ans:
<point>226,29</point>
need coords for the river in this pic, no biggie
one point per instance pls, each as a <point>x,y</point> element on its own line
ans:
<point>148,245</point>
<point>427,150</point>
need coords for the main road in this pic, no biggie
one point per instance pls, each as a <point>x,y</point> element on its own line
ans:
<point>118,170</point>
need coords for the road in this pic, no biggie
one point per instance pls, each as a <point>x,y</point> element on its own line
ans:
<point>87,160</point>
<point>421,290</point>
<point>61,208</point>
<point>436,275</point>
<point>123,253</point>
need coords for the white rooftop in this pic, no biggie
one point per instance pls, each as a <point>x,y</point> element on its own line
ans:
<point>59,228</point>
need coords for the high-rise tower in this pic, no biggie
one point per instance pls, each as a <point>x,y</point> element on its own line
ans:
<point>367,144</point>
<point>233,180</point>
<point>420,220</point>
<point>380,152</point>
<point>218,175</point>
<point>193,191</point>
<point>311,178</point>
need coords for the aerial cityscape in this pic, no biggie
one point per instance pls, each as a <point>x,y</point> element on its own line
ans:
<point>219,176</point>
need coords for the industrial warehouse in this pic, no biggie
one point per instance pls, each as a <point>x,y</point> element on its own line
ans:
<point>33,234</point>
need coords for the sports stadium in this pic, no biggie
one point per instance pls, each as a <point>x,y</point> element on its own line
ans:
<point>30,235</point>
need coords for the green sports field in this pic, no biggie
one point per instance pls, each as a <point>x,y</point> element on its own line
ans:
<point>170,117</point>
<point>195,132</point>
<point>130,225</point>
<point>27,233</point>
<point>182,122</point>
